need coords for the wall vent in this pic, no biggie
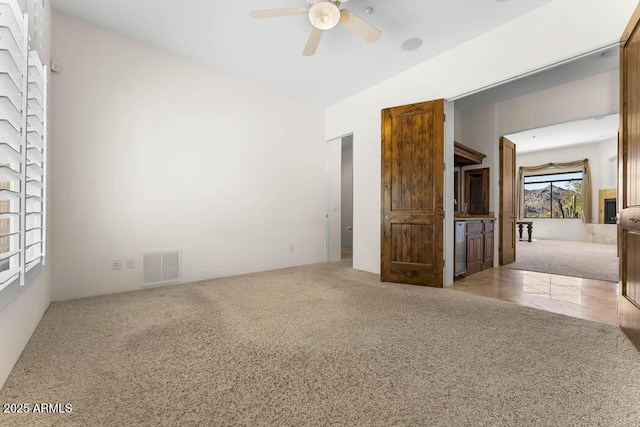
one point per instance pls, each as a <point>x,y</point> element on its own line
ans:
<point>160,267</point>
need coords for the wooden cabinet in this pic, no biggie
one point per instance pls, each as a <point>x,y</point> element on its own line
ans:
<point>487,259</point>
<point>474,247</point>
<point>476,191</point>
<point>479,245</point>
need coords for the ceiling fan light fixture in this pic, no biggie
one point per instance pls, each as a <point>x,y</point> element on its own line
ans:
<point>324,15</point>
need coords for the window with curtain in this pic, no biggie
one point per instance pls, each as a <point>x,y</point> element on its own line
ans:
<point>555,190</point>
<point>553,196</point>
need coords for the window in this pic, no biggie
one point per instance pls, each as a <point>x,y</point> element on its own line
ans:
<point>9,206</point>
<point>553,195</point>
<point>23,151</point>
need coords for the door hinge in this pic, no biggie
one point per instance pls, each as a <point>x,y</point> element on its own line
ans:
<point>445,117</point>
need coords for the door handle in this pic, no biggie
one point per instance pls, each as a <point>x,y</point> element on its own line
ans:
<point>389,217</point>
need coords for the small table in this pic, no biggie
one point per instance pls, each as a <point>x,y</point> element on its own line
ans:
<point>529,225</point>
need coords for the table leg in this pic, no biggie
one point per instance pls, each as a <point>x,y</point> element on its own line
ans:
<point>520,231</point>
<point>529,231</point>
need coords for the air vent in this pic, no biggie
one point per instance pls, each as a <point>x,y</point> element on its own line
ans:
<point>160,267</point>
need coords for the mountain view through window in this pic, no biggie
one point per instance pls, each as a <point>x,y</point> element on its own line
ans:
<point>553,196</point>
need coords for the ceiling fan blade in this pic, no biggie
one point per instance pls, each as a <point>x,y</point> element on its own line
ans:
<point>274,13</point>
<point>313,42</point>
<point>359,26</point>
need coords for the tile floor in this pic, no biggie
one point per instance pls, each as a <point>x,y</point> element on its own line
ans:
<point>584,298</point>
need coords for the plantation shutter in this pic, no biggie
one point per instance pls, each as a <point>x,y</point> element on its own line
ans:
<point>23,86</point>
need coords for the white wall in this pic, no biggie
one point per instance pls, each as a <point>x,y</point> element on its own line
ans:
<point>572,229</point>
<point>479,132</point>
<point>155,152</point>
<point>457,132</point>
<point>588,97</point>
<point>553,32</point>
<point>20,317</point>
<point>607,164</point>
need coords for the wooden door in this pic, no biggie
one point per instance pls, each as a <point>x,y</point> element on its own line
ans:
<point>508,214</point>
<point>629,180</point>
<point>413,194</point>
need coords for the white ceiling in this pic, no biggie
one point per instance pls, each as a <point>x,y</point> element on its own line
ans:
<point>221,34</point>
<point>578,132</point>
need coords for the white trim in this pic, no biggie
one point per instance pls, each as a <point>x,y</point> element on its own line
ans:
<point>23,185</point>
<point>45,180</point>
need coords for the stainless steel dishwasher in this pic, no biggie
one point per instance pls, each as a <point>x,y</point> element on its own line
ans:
<point>461,248</point>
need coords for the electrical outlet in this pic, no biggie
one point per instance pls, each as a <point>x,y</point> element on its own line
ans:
<point>131,263</point>
<point>116,265</point>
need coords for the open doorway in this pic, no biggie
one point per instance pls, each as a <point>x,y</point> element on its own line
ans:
<point>339,207</point>
<point>567,179</point>
<point>346,198</point>
<point>586,88</point>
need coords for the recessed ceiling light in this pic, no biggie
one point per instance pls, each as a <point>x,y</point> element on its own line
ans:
<point>368,10</point>
<point>411,44</point>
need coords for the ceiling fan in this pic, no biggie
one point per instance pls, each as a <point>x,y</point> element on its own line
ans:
<point>324,15</point>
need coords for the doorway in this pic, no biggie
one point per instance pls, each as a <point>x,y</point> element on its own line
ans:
<point>566,170</point>
<point>346,200</point>
<point>339,204</point>
<point>548,97</point>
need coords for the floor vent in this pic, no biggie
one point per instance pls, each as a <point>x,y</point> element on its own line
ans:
<point>160,268</point>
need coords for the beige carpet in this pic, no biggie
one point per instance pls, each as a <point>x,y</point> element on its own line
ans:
<point>321,345</point>
<point>576,259</point>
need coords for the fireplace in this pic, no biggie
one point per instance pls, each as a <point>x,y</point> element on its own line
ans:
<point>608,194</point>
<point>610,211</point>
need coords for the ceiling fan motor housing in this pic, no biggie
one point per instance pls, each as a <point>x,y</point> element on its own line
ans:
<point>324,14</point>
<point>312,2</point>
